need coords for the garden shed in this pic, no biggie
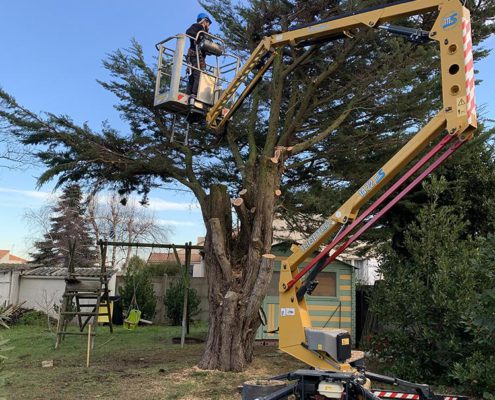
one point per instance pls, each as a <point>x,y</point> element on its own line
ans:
<point>331,305</point>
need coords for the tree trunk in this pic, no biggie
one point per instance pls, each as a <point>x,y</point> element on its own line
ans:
<point>238,267</point>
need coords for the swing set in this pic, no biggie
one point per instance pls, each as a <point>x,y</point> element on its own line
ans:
<point>133,317</point>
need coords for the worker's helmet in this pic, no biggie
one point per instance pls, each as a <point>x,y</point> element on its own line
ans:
<point>202,16</point>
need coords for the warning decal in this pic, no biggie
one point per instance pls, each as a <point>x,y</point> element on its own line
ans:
<point>461,106</point>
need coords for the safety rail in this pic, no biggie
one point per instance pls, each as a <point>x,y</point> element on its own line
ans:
<point>175,68</point>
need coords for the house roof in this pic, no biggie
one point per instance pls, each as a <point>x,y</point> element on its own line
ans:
<point>282,248</point>
<point>62,272</point>
<point>155,258</point>
<point>11,258</point>
<point>169,256</point>
<point>17,259</point>
<point>17,266</point>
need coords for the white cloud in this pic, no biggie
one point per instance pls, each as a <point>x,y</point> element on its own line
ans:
<point>34,194</point>
<point>171,222</point>
<point>164,205</point>
<point>155,204</point>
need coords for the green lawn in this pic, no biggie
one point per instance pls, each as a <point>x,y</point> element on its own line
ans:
<point>141,364</point>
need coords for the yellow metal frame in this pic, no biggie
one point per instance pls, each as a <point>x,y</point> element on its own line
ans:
<point>263,54</point>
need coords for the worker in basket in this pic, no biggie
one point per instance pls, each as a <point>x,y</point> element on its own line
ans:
<point>202,25</point>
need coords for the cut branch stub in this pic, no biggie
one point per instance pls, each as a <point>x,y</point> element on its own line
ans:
<point>238,202</point>
<point>278,153</point>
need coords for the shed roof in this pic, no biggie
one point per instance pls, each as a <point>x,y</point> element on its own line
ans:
<point>62,272</point>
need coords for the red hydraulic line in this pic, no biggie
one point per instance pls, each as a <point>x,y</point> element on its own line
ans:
<point>395,200</point>
<point>379,201</point>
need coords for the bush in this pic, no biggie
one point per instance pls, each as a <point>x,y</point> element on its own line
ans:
<point>33,317</point>
<point>138,279</point>
<point>174,301</point>
<point>476,374</point>
<point>435,301</point>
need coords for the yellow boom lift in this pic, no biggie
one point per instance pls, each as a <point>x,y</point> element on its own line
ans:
<point>327,350</point>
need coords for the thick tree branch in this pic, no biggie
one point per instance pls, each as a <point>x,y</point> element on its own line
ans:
<point>261,285</point>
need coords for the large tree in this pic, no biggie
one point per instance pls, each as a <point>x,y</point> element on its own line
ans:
<point>337,106</point>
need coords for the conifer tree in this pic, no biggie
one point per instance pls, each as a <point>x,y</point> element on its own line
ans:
<point>68,228</point>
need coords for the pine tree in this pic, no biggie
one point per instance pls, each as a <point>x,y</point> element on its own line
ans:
<point>68,226</point>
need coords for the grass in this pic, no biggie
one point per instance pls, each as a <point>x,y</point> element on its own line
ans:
<point>140,364</point>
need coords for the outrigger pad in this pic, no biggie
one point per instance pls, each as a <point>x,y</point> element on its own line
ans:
<point>336,343</point>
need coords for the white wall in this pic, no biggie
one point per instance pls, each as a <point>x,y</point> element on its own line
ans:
<point>41,293</point>
<point>5,277</point>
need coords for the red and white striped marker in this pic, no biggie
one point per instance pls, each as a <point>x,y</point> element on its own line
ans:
<point>410,396</point>
<point>396,395</point>
<point>469,63</point>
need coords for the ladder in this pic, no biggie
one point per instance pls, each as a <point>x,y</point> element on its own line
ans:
<point>86,297</point>
<point>262,57</point>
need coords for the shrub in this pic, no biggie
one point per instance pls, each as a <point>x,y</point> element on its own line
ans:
<point>138,280</point>
<point>174,300</point>
<point>435,303</point>
<point>476,373</point>
<point>33,317</point>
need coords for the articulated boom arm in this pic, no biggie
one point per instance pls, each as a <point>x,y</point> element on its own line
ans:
<point>263,56</point>
<point>452,30</point>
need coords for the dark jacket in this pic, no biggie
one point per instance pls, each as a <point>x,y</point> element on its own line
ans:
<point>193,30</point>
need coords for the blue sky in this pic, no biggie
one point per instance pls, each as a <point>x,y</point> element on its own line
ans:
<point>50,58</point>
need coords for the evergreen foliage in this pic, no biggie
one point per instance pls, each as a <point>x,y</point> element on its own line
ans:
<point>476,371</point>
<point>138,282</point>
<point>174,300</point>
<point>433,295</point>
<point>69,227</point>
